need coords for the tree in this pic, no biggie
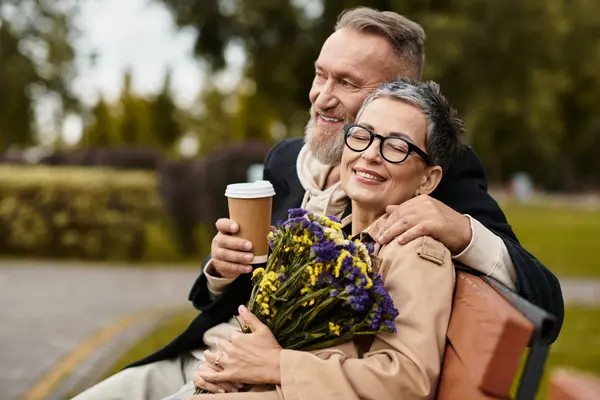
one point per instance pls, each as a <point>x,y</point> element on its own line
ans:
<point>102,131</point>
<point>17,73</point>
<point>134,121</point>
<point>165,127</point>
<point>38,59</point>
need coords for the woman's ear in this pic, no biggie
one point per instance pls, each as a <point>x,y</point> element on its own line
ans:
<point>430,180</point>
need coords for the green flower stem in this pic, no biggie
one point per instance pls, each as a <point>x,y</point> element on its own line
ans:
<point>315,311</point>
<point>282,316</point>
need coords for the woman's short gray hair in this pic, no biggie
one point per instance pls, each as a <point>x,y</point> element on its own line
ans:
<point>444,127</point>
<point>405,36</point>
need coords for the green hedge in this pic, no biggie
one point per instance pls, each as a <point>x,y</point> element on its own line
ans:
<point>76,212</point>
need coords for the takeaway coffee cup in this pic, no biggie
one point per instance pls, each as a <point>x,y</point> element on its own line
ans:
<point>250,206</point>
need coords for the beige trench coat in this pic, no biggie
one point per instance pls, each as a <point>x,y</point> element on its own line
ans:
<point>420,278</point>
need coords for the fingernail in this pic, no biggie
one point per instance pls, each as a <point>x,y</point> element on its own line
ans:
<point>234,227</point>
<point>247,245</point>
<point>248,269</point>
<point>242,309</point>
<point>249,257</point>
<point>221,390</point>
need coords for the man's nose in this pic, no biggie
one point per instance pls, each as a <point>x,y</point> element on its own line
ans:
<point>326,98</point>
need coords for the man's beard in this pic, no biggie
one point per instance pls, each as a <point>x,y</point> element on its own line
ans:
<point>327,145</point>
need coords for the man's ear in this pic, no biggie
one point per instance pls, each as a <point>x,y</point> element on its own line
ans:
<point>430,180</point>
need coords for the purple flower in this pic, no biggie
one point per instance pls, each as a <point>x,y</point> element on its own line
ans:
<point>317,230</point>
<point>297,212</point>
<point>333,218</point>
<point>325,278</point>
<point>370,247</point>
<point>347,266</point>
<point>390,325</point>
<point>281,278</point>
<point>359,300</point>
<point>351,248</point>
<point>385,311</point>
<point>296,223</point>
<point>325,251</point>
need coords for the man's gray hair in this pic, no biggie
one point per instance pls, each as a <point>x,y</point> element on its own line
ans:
<point>405,36</point>
<point>444,127</point>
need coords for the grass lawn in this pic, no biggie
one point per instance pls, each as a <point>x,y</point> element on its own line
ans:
<point>564,239</point>
<point>578,345</point>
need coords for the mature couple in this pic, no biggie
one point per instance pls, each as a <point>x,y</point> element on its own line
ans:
<point>386,158</point>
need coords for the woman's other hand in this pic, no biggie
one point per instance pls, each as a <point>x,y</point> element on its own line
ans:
<point>249,358</point>
<point>220,387</point>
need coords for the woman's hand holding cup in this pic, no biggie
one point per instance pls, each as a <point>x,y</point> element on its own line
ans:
<point>231,256</point>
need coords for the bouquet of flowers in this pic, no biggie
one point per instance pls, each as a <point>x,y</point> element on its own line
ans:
<point>318,288</point>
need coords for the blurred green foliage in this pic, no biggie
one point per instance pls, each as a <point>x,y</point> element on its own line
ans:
<point>76,212</point>
<point>37,58</point>
<point>135,120</point>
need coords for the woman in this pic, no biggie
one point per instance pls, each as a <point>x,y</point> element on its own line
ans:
<point>404,137</point>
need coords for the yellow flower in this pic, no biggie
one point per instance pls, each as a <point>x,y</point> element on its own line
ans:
<point>258,272</point>
<point>363,270</point>
<point>336,236</point>
<point>334,328</point>
<point>363,253</point>
<point>338,265</point>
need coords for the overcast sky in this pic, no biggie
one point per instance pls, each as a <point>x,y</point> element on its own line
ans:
<point>136,34</point>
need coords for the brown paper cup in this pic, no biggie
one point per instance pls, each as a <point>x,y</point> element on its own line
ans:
<point>250,206</point>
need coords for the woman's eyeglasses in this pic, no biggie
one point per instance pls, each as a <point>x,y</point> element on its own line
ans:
<point>393,149</point>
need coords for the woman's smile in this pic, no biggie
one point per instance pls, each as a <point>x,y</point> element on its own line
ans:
<point>367,176</point>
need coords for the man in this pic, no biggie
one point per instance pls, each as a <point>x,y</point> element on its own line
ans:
<point>367,48</point>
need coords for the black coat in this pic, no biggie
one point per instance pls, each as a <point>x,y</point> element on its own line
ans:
<point>464,188</point>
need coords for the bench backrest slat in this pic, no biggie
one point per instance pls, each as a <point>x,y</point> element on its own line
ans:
<point>486,339</point>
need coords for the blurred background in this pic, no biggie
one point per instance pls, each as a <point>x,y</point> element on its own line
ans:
<point>122,121</point>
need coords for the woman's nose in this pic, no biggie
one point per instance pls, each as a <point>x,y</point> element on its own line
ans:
<point>371,154</point>
<point>325,96</point>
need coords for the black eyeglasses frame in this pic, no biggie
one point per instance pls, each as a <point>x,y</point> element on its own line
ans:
<point>412,148</point>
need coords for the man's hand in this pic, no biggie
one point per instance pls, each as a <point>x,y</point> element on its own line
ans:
<point>424,216</point>
<point>231,256</point>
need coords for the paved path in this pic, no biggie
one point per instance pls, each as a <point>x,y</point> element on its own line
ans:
<point>579,291</point>
<point>48,310</point>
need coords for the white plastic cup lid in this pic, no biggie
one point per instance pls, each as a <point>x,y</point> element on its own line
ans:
<point>252,190</point>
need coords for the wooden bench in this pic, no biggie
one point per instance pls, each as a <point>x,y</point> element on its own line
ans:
<point>489,332</point>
